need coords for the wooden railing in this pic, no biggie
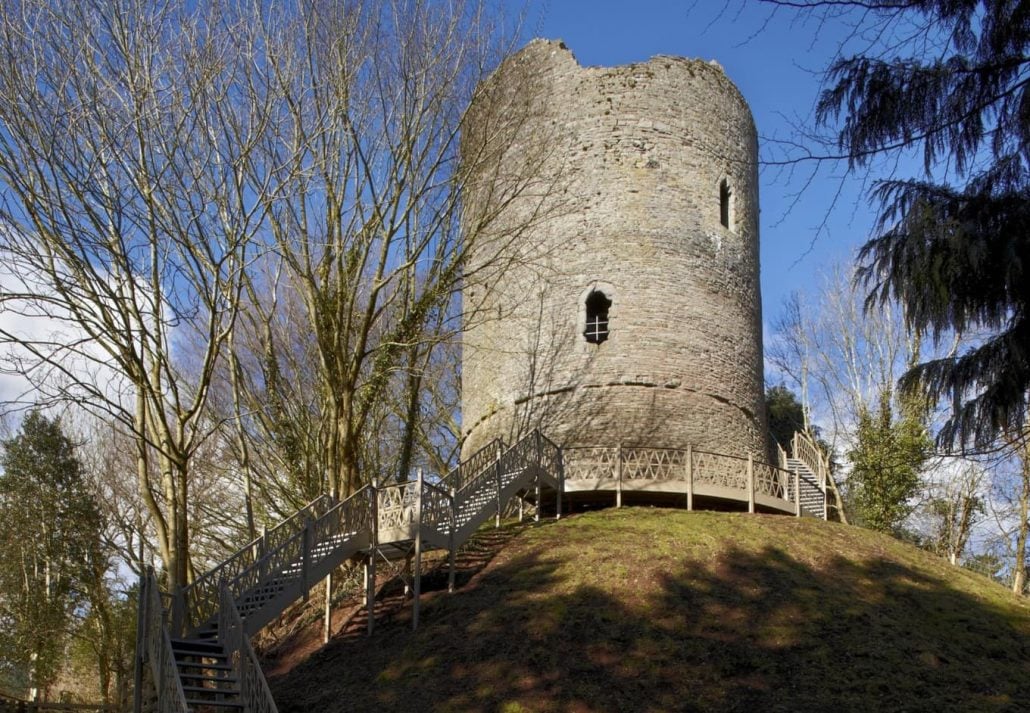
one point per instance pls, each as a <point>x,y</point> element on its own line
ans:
<point>197,603</point>
<point>291,554</point>
<point>806,450</point>
<point>473,466</point>
<point>632,466</point>
<point>157,650</point>
<point>253,688</point>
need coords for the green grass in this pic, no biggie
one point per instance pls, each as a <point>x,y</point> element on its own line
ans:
<point>661,610</point>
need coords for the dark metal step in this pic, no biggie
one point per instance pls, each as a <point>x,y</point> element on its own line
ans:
<point>197,647</point>
<point>194,704</point>
<point>216,691</point>
<point>201,677</point>
<point>203,666</point>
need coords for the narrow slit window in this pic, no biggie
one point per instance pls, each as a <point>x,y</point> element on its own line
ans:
<point>597,317</point>
<point>725,204</point>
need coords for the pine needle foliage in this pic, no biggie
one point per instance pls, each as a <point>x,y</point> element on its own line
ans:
<point>956,255</point>
<point>785,414</point>
<point>49,530</point>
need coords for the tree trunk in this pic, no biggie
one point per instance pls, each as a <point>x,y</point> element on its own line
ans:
<point>1019,568</point>
<point>143,479</point>
<point>413,392</point>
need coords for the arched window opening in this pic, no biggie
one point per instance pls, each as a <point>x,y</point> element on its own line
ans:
<point>725,204</point>
<point>597,305</point>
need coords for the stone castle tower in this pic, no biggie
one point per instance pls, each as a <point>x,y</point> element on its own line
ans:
<point>630,313</point>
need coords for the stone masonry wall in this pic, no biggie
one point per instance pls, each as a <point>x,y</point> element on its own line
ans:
<point>632,163</point>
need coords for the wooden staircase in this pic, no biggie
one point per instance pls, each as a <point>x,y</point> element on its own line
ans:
<point>209,681</point>
<point>807,460</point>
<point>193,646</point>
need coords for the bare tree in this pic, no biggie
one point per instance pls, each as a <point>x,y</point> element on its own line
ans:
<point>128,134</point>
<point>371,238</point>
<point>1010,503</point>
<point>267,196</point>
<point>844,360</point>
<point>955,504</point>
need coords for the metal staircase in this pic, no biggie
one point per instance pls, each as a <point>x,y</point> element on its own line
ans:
<point>812,472</point>
<point>193,646</point>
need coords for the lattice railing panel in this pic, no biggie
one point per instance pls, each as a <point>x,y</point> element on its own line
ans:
<point>346,519</point>
<point>598,463</point>
<point>653,464</point>
<point>158,647</point>
<point>284,558</point>
<point>770,480</point>
<point>476,494</point>
<point>199,600</point>
<point>515,460</point>
<point>473,466</point>
<point>720,470</point>
<point>436,507</point>
<point>396,505</point>
<point>549,455</point>
<point>254,693</point>
<point>807,451</point>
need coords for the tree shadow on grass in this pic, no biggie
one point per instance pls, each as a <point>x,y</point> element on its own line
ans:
<point>754,631</point>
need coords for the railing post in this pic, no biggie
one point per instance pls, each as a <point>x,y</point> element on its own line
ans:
<point>826,514</point>
<point>561,484</point>
<point>618,476</point>
<point>305,566</point>
<point>418,551</point>
<point>750,483</point>
<point>690,477</point>
<point>536,513</point>
<point>451,542</point>
<point>497,521</point>
<point>824,472</point>
<point>797,494</point>
<point>370,566</point>
<point>327,622</point>
<point>161,654</point>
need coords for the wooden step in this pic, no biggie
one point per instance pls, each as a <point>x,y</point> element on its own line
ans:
<point>200,704</point>
<point>197,647</point>
<point>192,691</point>
<point>207,677</point>
<point>204,666</point>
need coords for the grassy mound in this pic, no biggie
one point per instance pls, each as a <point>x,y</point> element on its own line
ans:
<point>662,610</point>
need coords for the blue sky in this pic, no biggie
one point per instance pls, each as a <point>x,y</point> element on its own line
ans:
<point>775,58</point>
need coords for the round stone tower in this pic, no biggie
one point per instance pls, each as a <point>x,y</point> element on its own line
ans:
<point>612,295</point>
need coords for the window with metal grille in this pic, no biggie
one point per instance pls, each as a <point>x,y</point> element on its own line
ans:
<point>597,306</point>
